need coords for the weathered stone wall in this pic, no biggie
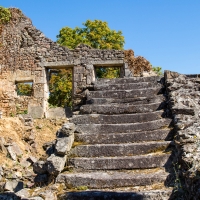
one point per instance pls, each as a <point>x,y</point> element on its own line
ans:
<point>184,103</point>
<point>26,55</point>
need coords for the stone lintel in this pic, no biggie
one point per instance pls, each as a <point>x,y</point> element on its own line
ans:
<point>54,65</point>
<point>108,63</point>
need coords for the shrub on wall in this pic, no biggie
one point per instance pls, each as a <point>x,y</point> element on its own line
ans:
<point>5,15</point>
<point>137,64</point>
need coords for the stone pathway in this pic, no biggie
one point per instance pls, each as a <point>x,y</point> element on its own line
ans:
<point>123,145</point>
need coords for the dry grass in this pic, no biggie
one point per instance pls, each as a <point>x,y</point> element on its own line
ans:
<point>12,130</point>
<point>78,144</point>
<point>45,130</point>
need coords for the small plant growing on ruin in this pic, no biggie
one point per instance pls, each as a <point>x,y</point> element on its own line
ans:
<point>158,70</point>
<point>25,112</point>
<point>5,15</point>
<point>136,64</point>
<point>82,187</point>
<point>12,114</point>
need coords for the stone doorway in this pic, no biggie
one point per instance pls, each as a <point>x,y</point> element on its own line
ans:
<point>60,92</point>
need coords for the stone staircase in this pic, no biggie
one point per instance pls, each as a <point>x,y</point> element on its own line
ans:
<point>123,145</point>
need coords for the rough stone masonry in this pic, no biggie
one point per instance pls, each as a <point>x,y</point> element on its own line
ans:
<point>26,55</point>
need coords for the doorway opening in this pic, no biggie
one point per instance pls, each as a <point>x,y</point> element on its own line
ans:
<point>60,87</point>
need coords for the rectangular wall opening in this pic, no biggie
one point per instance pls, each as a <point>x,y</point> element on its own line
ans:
<point>24,88</point>
<point>107,71</point>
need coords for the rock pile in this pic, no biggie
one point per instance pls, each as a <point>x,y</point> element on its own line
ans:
<point>57,151</point>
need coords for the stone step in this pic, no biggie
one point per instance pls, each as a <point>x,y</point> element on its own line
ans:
<point>127,86</point>
<point>119,163</point>
<point>121,108</point>
<point>128,80</point>
<point>123,128</point>
<point>122,94</point>
<point>111,150</point>
<point>116,119</point>
<point>135,101</point>
<point>112,179</point>
<point>117,138</point>
<point>117,195</point>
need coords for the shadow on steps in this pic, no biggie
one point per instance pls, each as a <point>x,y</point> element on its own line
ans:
<point>9,196</point>
<point>98,195</point>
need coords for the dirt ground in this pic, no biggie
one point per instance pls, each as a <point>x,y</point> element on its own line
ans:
<point>12,130</point>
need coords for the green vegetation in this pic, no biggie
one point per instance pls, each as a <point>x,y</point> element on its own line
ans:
<point>5,15</point>
<point>157,70</point>
<point>108,72</point>
<point>82,187</point>
<point>24,89</point>
<point>60,88</point>
<point>96,34</point>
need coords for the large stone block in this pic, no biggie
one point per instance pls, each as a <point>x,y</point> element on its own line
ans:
<point>36,112</point>
<point>63,145</point>
<point>59,112</point>
<point>40,80</point>
<point>55,164</point>
<point>38,93</point>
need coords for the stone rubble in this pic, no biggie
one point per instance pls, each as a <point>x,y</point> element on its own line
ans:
<point>183,94</point>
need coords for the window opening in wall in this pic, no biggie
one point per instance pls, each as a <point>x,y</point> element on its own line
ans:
<point>107,72</point>
<point>24,88</point>
<point>60,87</point>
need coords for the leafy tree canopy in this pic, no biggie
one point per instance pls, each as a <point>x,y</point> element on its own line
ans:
<point>95,33</point>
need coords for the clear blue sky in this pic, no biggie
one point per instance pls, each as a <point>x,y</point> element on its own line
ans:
<point>165,32</point>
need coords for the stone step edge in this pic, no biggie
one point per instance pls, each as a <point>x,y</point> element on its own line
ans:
<point>118,150</point>
<point>124,127</point>
<point>131,100</point>
<point>116,138</point>
<point>122,162</point>
<point>99,118</point>
<point>127,90</point>
<point>156,154</point>
<point>116,87</point>
<point>141,156</point>
<point>130,79</point>
<point>118,109</point>
<point>111,179</point>
<point>129,114</point>
<point>128,144</point>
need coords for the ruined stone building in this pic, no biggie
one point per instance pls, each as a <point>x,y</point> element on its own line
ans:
<point>138,133</point>
<point>26,55</point>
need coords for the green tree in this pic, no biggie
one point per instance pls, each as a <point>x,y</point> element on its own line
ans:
<point>60,88</point>
<point>95,33</point>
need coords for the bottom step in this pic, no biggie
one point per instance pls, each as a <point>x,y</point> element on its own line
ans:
<point>99,195</point>
<point>112,179</point>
